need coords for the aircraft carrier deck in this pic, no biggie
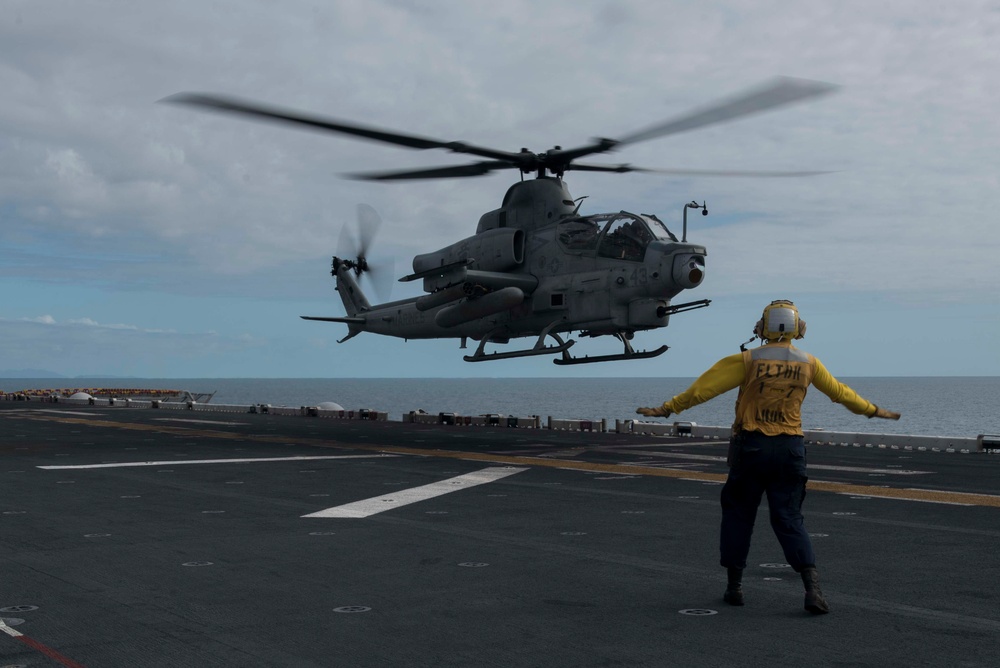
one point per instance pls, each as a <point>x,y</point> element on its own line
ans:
<point>137,537</point>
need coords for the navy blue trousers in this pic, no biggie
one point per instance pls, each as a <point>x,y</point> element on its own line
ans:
<point>775,465</point>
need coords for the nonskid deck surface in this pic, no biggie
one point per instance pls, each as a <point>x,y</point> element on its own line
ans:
<point>134,538</point>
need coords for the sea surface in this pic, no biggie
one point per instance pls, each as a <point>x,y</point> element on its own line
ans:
<point>935,406</point>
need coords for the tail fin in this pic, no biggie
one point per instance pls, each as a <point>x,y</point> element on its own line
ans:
<point>350,293</point>
<point>354,299</point>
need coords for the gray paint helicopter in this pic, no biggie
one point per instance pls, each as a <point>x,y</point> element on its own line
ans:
<point>536,267</point>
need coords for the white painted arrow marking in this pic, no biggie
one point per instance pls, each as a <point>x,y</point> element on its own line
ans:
<point>405,497</point>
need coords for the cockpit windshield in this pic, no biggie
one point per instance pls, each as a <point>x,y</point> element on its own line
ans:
<point>625,238</point>
<point>658,229</point>
<point>622,236</point>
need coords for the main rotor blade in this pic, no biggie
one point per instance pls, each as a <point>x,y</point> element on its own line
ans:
<point>780,92</point>
<point>267,112</point>
<point>473,169</point>
<point>624,168</point>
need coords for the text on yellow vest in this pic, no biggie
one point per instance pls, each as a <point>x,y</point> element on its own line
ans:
<point>770,399</point>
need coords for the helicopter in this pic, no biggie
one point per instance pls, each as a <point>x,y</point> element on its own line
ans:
<point>536,267</point>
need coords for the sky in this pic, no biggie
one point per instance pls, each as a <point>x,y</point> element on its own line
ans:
<point>153,240</point>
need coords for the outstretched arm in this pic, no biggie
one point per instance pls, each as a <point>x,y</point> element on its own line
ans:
<point>726,374</point>
<point>842,394</point>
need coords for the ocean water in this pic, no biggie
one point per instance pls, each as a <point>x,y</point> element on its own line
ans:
<point>937,406</point>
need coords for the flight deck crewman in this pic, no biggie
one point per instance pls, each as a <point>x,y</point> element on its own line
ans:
<point>767,451</point>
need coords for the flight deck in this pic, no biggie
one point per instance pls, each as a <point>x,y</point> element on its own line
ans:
<point>138,537</point>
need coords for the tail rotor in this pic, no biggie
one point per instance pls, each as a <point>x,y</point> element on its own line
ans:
<point>357,245</point>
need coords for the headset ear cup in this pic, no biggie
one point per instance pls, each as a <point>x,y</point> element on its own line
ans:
<point>758,329</point>
<point>802,330</point>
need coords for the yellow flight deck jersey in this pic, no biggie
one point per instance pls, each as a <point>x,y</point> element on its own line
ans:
<point>773,380</point>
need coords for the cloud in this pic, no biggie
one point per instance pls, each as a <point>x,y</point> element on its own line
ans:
<point>102,187</point>
<point>86,322</point>
<point>42,319</point>
<point>82,346</point>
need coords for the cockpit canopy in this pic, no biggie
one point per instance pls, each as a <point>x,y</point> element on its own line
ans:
<point>621,236</point>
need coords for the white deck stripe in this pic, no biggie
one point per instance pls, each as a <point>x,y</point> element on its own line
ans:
<point>859,469</point>
<point>869,495</point>
<point>9,631</point>
<point>117,465</point>
<point>405,497</point>
<point>232,424</point>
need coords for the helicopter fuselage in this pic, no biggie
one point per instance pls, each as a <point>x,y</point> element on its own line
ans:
<point>557,271</point>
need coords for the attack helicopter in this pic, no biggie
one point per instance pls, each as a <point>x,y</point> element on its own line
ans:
<point>536,267</point>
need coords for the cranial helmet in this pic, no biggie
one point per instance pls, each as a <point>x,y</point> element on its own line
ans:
<point>780,321</point>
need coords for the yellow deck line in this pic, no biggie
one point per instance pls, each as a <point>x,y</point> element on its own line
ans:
<point>909,494</point>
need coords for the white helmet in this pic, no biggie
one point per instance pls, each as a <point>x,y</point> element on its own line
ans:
<point>780,321</point>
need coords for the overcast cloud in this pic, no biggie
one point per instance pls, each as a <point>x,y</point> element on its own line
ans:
<point>205,236</point>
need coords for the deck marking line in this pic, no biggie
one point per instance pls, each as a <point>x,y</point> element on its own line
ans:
<point>907,498</point>
<point>222,422</point>
<point>9,631</point>
<point>719,458</point>
<point>39,647</point>
<point>117,465</point>
<point>859,469</point>
<point>405,497</point>
<point>989,500</point>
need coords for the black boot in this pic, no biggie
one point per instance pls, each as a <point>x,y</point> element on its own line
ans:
<point>815,603</point>
<point>734,590</point>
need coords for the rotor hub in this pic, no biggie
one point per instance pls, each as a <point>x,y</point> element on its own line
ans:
<point>358,265</point>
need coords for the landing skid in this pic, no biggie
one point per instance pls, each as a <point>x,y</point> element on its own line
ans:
<point>634,355</point>
<point>538,349</point>
<point>629,354</point>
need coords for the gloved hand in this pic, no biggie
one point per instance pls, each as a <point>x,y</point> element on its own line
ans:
<point>884,414</point>
<point>653,412</point>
